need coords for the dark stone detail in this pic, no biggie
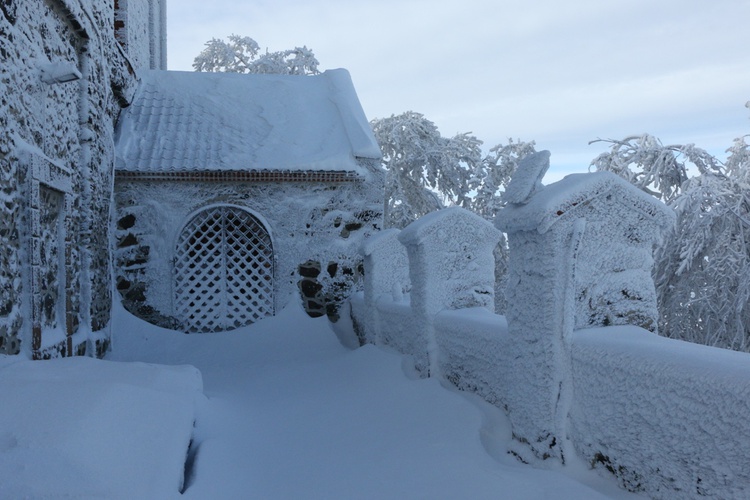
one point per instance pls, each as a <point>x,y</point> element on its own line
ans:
<point>332,268</point>
<point>353,226</point>
<point>126,222</point>
<point>137,293</point>
<point>128,241</point>
<point>140,257</point>
<point>310,288</point>
<point>332,311</point>
<point>123,284</point>
<point>325,294</point>
<point>9,10</point>
<point>309,269</point>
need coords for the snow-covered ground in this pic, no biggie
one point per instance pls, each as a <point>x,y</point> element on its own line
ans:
<point>288,412</point>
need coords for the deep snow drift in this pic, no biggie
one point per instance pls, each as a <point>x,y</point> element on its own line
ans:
<point>288,413</point>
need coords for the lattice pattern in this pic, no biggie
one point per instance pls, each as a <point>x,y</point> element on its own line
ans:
<point>223,271</point>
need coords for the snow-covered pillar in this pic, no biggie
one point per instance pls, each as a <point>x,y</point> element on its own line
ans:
<point>386,274</point>
<point>579,257</point>
<point>451,266</point>
<point>539,311</point>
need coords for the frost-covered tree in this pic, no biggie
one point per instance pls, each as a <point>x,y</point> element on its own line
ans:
<point>242,54</point>
<point>702,268</point>
<point>425,171</point>
<point>659,170</point>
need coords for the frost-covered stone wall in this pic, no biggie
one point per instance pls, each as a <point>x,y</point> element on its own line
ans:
<point>140,26</point>
<point>580,256</point>
<point>316,230</point>
<point>450,266</point>
<point>63,81</point>
<point>666,418</point>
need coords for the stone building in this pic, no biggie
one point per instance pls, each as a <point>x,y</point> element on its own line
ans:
<point>237,193</point>
<point>64,80</point>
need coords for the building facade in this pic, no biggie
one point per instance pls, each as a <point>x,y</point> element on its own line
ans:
<point>65,79</point>
<point>238,193</point>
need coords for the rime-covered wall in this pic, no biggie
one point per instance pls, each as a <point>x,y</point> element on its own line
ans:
<point>140,26</point>
<point>316,230</point>
<point>56,167</point>
<point>667,417</point>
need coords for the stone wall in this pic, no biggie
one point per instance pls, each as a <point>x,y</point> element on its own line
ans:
<point>664,417</point>
<point>140,26</point>
<point>63,81</point>
<point>315,229</point>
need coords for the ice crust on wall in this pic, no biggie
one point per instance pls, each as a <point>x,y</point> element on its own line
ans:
<point>670,417</point>
<point>449,251</point>
<point>665,417</point>
<point>385,260</point>
<point>307,225</point>
<point>57,135</point>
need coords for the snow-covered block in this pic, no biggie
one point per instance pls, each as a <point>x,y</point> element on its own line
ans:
<point>580,256</point>
<point>613,283</point>
<point>118,428</point>
<point>451,261</point>
<point>474,355</point>
<point>668,418</point>
<point>386,267</point>
<point>527,179</point>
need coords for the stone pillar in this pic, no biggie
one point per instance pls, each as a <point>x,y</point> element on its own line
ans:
<point>386,275</point>
<point>451,266</point>
<point>572,242</point>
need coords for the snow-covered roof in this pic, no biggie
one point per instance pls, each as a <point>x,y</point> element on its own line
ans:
<point>190,121</point>
<point>552,202</point>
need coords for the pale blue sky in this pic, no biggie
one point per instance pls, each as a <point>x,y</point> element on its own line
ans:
<point>560,73</point>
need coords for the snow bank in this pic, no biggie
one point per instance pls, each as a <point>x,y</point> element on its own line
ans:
<point>83,428</point>
<point>669,417</point>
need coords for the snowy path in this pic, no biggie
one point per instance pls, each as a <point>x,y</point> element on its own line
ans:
<point>292,414</point>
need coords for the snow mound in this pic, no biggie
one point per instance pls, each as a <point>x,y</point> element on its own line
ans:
<point>86,428</point>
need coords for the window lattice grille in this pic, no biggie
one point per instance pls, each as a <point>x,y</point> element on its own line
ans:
<point>223,271</point>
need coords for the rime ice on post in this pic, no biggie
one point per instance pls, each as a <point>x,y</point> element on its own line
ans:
<point>386,273</point>
<point>580,256</point>
<point>451,264</point>
<point>386,266</point>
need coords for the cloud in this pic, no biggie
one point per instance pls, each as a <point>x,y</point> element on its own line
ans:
<point>560,73</point>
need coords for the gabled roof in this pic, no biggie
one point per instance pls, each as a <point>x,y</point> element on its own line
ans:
<point>218,122</point>
<point>555,201</point>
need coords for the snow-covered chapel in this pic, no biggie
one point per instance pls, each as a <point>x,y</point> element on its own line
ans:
<point>236,193</point>
<point>202,167</point>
